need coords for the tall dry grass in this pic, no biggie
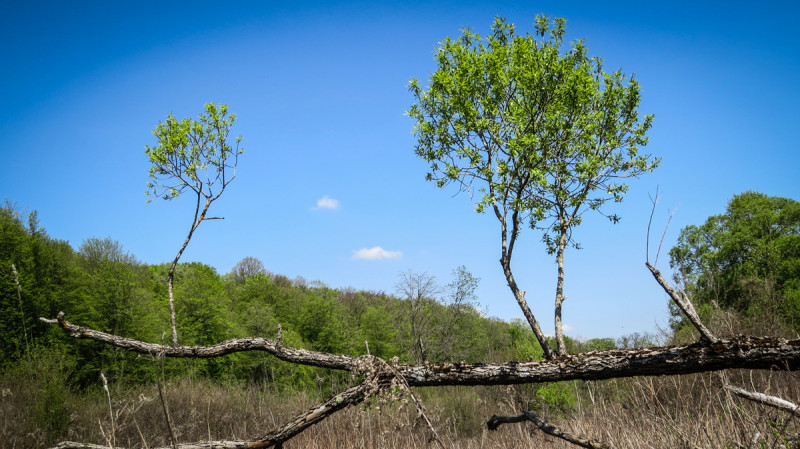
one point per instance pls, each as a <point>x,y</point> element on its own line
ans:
<point>690,411</point>
<point>37,409</point>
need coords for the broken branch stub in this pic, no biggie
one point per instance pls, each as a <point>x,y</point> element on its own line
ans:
<point>683,303</point>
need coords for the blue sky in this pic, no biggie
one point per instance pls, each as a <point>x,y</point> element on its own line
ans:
<point>320,92</point>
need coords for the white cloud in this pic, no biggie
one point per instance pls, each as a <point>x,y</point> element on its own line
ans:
<point>567,328</point>
<point>375,253</point>
<point>327,203</point>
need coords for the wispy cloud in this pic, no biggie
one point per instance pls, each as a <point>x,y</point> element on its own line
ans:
<point>327,203</point>
<point>375,253</point>
<point>567,328</point>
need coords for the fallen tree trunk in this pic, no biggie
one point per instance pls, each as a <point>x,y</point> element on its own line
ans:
<point>740,352</point>
<point>705,355</point>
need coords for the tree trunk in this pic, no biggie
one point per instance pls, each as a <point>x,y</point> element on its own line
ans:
<point>519,295</point>
<point>561,347</point>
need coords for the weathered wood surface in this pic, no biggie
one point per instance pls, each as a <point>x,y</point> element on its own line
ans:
<point>740,352</point>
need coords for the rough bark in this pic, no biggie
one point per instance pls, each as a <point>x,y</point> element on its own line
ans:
<point>740,352</point>
<point>683,303</point>
<point>547,428</point>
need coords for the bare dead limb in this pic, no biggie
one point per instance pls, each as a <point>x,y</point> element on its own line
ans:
<point>655,201</point>
<point>300,356</point>
<point>351,396</point>
<point>683,303</point>
<point>703,356</point>
<point>761,398</point>
<point>547,428</point>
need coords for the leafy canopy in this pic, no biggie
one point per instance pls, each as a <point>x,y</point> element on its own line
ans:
<point>193,154</point>
<point>526,126</point>
<point>747,259</point>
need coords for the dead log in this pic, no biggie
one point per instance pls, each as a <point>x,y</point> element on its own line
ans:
<point>740,352</point>
<point>765,399</point>
<point>547,428</point>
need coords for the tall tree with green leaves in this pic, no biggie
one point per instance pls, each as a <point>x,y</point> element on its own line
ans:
<point>747,259</point>
<point>195,156</point>
<point>533,131</point>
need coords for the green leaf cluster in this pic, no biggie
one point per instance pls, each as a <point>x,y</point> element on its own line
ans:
<point>193,154</point>
<point>522,122</point>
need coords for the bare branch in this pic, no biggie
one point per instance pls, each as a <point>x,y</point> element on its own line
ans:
<point>547,428</point>
<point>683,302</point>
<point>761,398</point>
<point>300,356</point>
<point>655,201</point>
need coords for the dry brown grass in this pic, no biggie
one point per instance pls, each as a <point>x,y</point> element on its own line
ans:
<point>665,412</point>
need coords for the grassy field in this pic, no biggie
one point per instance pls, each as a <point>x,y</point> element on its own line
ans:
<point>690,411</point>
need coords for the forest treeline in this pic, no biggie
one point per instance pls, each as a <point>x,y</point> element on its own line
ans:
<point>101,286</point>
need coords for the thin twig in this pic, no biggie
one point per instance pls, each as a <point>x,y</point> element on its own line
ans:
<point>664,234</point>
<point>112,441</point>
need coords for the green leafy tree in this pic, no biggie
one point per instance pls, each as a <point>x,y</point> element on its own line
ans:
<point>192,155</point>
<point>114,290</point>
<point>747,259</point>
<point>536,133</point>
<point>455,333</point>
